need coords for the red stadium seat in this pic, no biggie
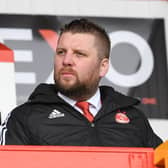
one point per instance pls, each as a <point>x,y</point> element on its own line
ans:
<point>75,157</point>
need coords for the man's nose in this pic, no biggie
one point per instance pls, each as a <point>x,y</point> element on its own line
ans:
<point>68,59</point>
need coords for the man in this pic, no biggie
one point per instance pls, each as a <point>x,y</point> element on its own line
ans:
<point>54,114</point>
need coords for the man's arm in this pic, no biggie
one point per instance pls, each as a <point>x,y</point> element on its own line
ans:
<point>150,139</point>
<point>13,130</point>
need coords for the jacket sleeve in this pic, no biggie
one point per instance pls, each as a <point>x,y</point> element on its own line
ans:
<point>150,138</point>
<point>13,130</point>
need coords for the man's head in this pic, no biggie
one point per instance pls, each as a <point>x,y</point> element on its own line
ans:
<point>82,59</point>
<point>84,26</point>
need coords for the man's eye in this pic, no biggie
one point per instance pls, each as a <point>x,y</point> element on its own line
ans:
<point>60,52</point>
<point>79,54</point>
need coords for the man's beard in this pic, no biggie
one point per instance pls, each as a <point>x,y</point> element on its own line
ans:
<point>79,90</point>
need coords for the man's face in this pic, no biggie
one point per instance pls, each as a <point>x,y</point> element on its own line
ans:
<point>77,68</point>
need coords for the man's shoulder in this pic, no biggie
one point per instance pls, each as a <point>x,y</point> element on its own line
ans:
<point>21,110</point>
<point>118,97</point>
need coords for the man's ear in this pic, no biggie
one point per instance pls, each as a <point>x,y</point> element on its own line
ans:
<point>104,66</point>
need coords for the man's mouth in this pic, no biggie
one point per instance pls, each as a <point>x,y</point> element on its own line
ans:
<point>67,74</point>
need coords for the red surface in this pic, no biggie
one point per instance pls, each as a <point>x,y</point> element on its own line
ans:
<point>6,54</point>
<point>50,36</point>
<point>75,157</point>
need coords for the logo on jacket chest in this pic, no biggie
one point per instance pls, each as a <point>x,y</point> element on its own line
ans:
<point>56,114</point>
<point>121,117</point>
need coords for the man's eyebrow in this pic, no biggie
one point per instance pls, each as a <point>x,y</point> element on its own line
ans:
<point>81,50</point>
<point>60,48</point>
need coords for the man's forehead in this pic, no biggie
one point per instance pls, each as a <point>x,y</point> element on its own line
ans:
<point>77,39</point>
